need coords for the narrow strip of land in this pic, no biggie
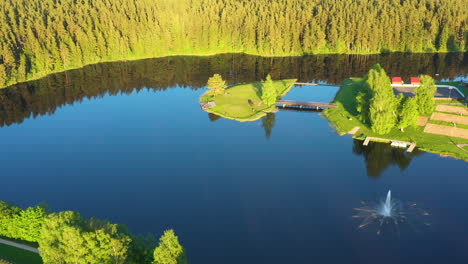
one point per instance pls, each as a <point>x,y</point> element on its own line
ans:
<point>18,245</point>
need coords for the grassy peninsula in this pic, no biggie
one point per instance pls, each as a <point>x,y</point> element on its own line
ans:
<point>346,117</point>
<point>243,102</point>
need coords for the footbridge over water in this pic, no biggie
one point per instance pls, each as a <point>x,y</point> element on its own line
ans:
<point>304,104</point>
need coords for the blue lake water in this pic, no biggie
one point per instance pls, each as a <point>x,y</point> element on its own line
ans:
<point>137,149</point>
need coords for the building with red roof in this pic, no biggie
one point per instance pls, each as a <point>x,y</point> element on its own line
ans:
<point>415,80</point>
<point>397,80</point>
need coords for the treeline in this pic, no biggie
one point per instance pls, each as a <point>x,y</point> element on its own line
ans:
<point>67,237</point>
<point>43,97</point>
<point>38,37</point>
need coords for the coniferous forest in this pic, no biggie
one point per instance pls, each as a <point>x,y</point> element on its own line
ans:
<point>39,37</point>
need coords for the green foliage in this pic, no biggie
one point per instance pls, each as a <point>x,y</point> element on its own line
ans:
<point>142,249</point>
<point>169,250</point>
<point>344,118</point>
<point>269,93</point>
<point>68,238</point>
<point>408,114</point>
<point>362,105</point>
<point>45,36</point>
<point>243,102</point>
<point>216,84</point>
<point>21,224</point>
<point>425,95</point>
<point>3,75</point>
<point>383,104</point>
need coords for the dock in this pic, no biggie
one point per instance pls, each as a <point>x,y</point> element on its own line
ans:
<point>304,104</point>
<point>395,143</point>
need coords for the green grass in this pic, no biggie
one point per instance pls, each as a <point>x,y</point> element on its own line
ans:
<point>234,103</point>
<point>18,256</point>
<point>344,118</point>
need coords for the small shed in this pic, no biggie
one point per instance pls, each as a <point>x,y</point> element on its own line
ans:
<point>397,80</point>
<point>415,80</point>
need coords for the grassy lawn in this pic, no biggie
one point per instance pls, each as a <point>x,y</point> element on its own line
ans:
<point>344,118</point>
<point>234,103</point>
<point>18,256</point>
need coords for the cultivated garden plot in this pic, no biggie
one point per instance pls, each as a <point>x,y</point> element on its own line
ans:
<point>446,131</point>
<point>458,119</point>
<point>452,109</point>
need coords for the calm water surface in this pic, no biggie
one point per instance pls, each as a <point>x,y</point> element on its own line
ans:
<point>128,142</point>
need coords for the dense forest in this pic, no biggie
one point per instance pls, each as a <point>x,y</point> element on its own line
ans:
<point>39,37</point>
<point>44,96</point>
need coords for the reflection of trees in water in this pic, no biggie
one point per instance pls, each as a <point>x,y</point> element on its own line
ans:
<point>213,117</point>
<point>44,96</point>
<point>379,156</point>
<point>268,122</point>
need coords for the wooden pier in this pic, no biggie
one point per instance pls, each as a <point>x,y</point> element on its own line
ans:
<point>410,145</point>
<point>314,84</point>
<point>303,104</point>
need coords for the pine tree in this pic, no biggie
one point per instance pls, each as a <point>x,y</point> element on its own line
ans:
<point>424,95</point>
<point>169,250</point>
<point>408,114</point>
<point>3,75</point>
<point>216,84</point>
<point>269,93</point>
<point>383,104</point>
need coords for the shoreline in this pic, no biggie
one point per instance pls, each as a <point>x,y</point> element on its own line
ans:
<point>201,55</point>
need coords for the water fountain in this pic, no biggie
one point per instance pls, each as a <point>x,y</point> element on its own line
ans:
<point>390,212</point>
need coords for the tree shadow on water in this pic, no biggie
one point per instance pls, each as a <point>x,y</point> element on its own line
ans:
<point>380,156</point>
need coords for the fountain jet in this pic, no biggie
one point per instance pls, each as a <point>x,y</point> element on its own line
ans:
<point>389,212</point>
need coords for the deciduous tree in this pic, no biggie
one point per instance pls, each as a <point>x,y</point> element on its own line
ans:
<point>169,250</point>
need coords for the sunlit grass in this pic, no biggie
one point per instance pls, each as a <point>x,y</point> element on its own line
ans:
<point>234,103</point>
<point>18,256</point>
<point>344,118</point>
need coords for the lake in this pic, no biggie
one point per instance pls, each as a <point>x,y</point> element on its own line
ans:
<point>128,142</point>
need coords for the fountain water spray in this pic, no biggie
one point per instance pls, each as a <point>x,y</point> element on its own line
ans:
<point>390,212</point>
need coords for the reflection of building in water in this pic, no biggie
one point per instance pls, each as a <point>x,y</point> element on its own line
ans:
<point>44,96</point>
<point>380,156</point>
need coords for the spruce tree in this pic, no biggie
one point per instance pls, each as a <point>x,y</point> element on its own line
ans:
<point>408,114</point>
<point>169,250</point>
<point>216,84</point>
<point>424,95</point>
<point>383,104</point>
<point>269,93</point>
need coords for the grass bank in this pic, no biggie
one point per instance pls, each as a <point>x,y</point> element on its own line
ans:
<point>14,255</point>
<point>234,103</point>
<point>345,117</point>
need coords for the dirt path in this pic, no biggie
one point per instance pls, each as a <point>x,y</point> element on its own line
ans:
<point>18,245</point>
<point>452,109</point>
